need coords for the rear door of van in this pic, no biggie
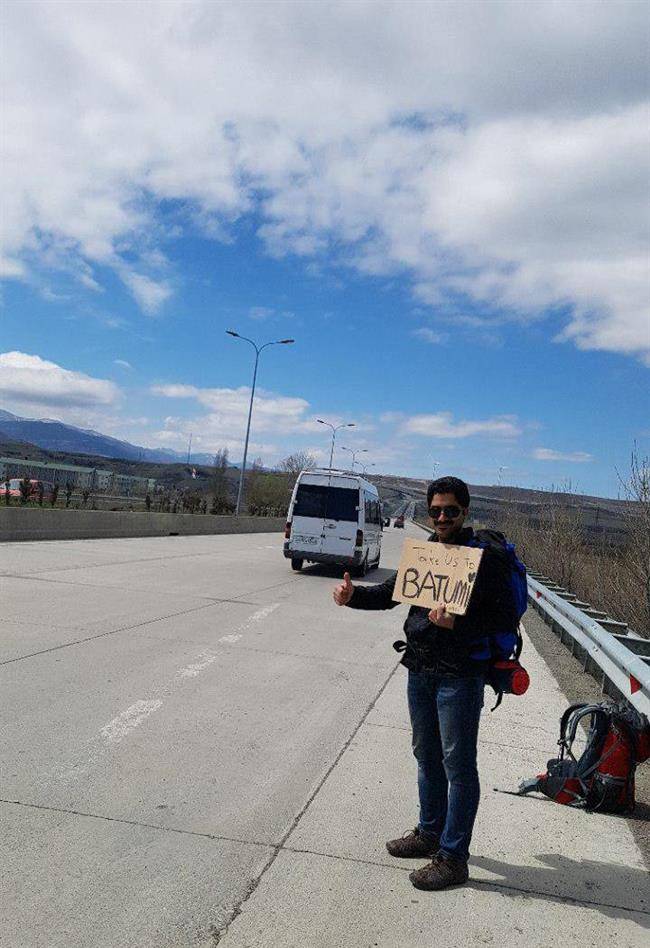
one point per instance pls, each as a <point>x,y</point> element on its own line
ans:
<point>342,518</point>
<point>307,518</point>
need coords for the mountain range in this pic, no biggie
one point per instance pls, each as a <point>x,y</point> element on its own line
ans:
<point>56,436</point>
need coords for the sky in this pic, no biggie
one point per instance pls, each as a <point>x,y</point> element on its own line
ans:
<point>445,204</point>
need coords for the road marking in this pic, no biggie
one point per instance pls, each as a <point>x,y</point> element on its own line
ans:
<point>205,659</point>
<point>124,723</point>
<point>262,614</point>
<point>119,727</point>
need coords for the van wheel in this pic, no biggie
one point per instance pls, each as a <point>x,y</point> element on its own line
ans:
<point>363,568</point>
<point>296,564</point>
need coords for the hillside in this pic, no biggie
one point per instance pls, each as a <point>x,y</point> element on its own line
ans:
<point>51,435</point>
<point>598,516</point>
<point>169,475</point>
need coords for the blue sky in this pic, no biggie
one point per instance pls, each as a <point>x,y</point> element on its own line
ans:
<point>457,247</point>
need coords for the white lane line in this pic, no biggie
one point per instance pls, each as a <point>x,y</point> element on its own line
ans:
<point>262,614</point>
<point>119,727</point>
<point>124,723</point>
<point>204,659</point>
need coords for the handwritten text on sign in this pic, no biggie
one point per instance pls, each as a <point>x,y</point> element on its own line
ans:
<point>437,574</point>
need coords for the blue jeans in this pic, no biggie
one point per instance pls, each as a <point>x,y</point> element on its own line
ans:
<point>445,715</point>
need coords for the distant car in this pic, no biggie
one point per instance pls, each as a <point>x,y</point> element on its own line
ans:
<point>399,521</point>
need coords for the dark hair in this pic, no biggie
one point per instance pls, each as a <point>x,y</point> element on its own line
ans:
<point>449,485</point>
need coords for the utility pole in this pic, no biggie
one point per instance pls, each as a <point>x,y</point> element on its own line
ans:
<point>354,453</point>
<point>258,349</point>
<point>346,424</point>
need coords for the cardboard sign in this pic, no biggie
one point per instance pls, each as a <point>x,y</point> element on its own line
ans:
<point>437,574</point>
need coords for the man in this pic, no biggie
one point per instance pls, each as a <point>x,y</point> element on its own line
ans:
<point>446,657</point>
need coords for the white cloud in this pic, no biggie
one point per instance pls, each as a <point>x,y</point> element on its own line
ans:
<point>123,364</point>
<point>430,335</point>
<point>28,379</point>
<point>285,423</point>
<point>228,410</point>
<point>260,313</point>
<point>150,294</point>
<point>477,147</point>
<point>548,454</point>
<point>442,425</point>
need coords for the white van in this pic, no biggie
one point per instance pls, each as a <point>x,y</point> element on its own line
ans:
<point>334,517</point>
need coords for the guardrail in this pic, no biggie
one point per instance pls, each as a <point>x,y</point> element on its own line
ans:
<point>605,646</point>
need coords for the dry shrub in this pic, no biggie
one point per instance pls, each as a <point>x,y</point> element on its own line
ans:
<point>614,579</point>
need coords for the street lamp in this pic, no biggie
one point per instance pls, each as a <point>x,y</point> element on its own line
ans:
<point>258,349</point>
<point>366,466</point>
<point>436,465</point>
<point>354,453</point>
<point>346,424</point>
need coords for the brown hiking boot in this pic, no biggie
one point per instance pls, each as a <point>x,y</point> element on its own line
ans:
<point>441,872</point>
<point>412,845</point>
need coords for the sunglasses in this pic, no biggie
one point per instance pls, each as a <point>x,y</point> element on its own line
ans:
<point>450,512</point>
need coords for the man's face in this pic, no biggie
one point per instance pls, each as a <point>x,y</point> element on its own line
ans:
<point>447,515</point>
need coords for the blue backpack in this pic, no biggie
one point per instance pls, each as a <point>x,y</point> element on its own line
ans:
<point>505,675</point>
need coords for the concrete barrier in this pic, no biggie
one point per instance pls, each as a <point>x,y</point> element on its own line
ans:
<point>45,523</point>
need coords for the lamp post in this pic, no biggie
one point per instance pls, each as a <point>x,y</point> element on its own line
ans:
<point>436,465</point>
<point>365,467</point>
<point>258,349</point>
<point>335,428</point>
<point>354,453</point>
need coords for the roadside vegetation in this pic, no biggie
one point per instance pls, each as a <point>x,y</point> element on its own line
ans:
<point>613,575</point>
<point>194,490</point>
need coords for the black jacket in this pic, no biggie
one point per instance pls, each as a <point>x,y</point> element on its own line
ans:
<point>464,649</point>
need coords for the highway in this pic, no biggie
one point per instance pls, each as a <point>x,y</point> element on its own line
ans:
<point>199,747</point>
<point>169,707</point>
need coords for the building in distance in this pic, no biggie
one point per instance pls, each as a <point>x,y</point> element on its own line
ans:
<point>82,478</point>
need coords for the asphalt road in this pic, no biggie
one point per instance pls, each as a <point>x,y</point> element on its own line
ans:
<point>169,708</point>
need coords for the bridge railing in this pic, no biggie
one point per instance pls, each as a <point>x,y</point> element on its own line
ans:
<point>607,648</point>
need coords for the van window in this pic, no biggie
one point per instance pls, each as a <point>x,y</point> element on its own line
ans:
<point>372,511</point>
<point>329,503</point>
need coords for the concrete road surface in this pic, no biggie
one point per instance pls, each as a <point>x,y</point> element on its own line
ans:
<point>198,747</point>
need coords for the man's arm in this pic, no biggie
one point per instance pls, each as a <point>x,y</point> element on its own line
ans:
<point>366,597</point>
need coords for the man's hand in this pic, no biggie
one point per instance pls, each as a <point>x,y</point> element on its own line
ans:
<point>343,592</point>
<point>440,616</point>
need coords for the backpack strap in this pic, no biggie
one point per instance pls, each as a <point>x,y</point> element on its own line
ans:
<point>564,720</point>
<point>579,712</point>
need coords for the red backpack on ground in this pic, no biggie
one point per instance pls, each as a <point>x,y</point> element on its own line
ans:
<point>602,778</point>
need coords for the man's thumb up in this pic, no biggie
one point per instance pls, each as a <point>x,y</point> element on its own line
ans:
<point>343,592</point>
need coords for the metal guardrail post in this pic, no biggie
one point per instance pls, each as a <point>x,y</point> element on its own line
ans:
<point>627,671</point>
